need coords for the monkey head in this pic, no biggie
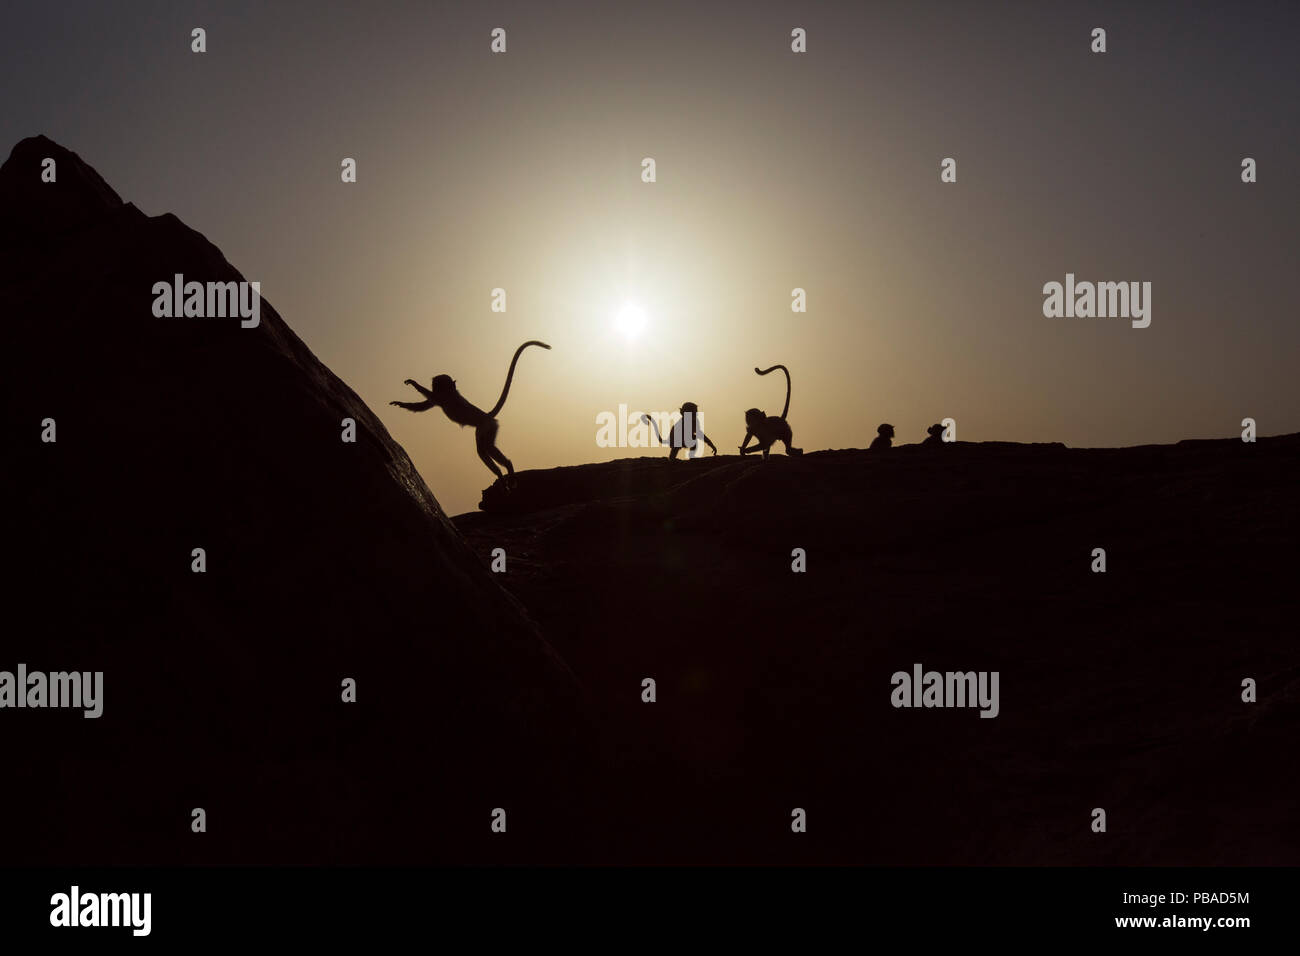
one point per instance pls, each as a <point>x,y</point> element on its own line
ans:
<point>690,408</point>
<point>885,431</point>
<point>443,386</point>
<point>934,431</point>
<point>754,417</point>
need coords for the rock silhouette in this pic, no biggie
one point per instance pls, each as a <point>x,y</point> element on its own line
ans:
<point>325,560</point>
<point>774,686</point>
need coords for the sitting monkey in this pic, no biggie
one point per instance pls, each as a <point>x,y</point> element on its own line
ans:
<point>685,433</point>
<point>884,438</point>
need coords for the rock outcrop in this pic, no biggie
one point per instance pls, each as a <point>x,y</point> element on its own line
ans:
<point>325,560</point>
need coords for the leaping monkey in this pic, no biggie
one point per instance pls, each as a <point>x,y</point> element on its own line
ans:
<point>461,411</point>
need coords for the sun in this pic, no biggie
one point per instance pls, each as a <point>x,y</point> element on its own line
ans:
<point>631,320</point>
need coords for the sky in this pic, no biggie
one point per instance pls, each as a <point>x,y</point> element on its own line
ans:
<point>775,170</point>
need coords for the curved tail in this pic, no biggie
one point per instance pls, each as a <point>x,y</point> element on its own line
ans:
<point>651,422</point>
<point>511,374</point>
<point>764,371</point>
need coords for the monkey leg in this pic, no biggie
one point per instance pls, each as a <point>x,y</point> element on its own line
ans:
<point>497,454</point>
<point>509,480</point>
<point>487,460</point>
<point>485,440</point>
<point>485,437</point>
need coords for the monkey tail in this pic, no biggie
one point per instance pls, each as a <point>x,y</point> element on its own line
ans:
<point>764,371</point>
<point>511,374</point>
<point>651,422</point>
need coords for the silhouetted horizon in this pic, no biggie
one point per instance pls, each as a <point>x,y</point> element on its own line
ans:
<point>821,171</point>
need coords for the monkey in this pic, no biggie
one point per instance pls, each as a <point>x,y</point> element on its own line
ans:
<point>767,429</point>
<point>684,432</point>
<point>462,412</point>
<point>936,436</point>
<point>884,438</point>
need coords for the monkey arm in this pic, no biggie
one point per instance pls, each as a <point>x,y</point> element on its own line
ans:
<point>414,406</point>
<point>418,387</point>
<point>709,443</point>
<point>748,435</point>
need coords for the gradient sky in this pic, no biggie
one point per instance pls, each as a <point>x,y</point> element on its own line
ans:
<point>775,170</point>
